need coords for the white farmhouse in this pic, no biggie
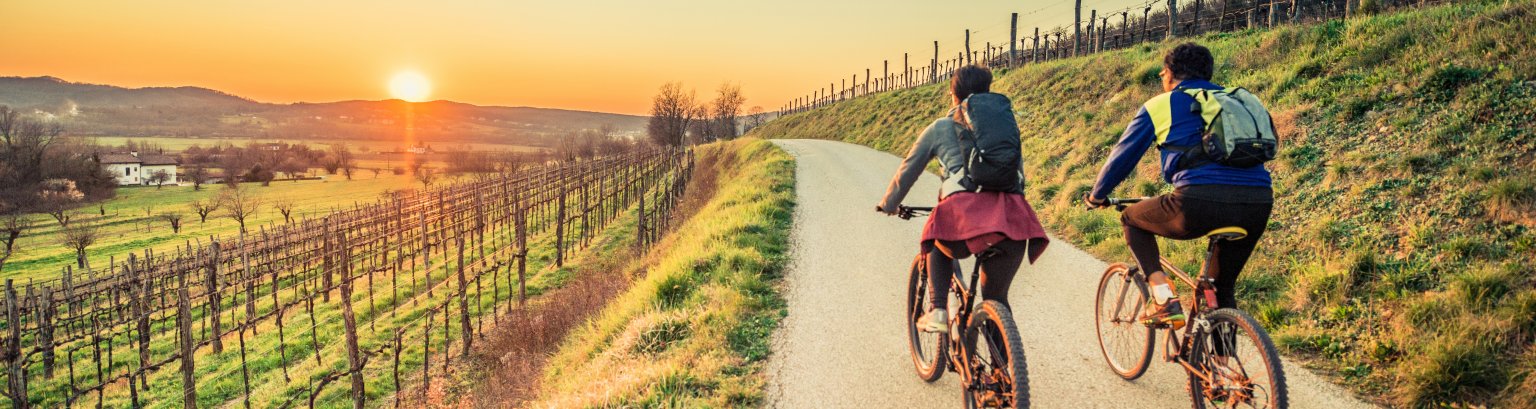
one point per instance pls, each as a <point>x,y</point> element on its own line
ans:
<point>134,169</point>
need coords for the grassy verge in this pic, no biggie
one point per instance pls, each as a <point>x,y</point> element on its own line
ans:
<point>1399,258</point>
<point>693,330</point>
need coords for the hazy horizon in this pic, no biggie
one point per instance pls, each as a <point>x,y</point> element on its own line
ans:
<point>603,56</point>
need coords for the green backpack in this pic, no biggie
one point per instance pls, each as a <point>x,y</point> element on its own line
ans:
<point>1238,129</point>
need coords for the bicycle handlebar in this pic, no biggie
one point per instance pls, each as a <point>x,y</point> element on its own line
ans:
<point>908,212</point>
<point>1119,203</point>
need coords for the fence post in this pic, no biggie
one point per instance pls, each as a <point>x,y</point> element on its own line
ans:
<point>866,81</point>
<point>1274,7</point>
<point>1173,18</point>
<point>933,66</point>
<point>1077,25</point>
<point>468,332</point>
<point>522,254</point>
<point>1295,14</point>
<point>560,227</point>
<point>885,78</point>
<point>1093,18</point>
<point>1013,38</point>
<point>349,321</point>
<point>215,299</point>
<point>1146,26</point>
<point>967,55</point>
<point>1034,55</point>
<point>16,363</point>
<point>1195,28</point>
<point>188,347</point>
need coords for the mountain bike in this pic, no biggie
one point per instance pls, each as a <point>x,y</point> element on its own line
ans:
<point>1230,360</point>
<point>983,346</point>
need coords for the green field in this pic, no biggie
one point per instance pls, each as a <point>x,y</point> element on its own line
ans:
<point>1399,256</point>
<point>126,228</point>
<point>179,143</point>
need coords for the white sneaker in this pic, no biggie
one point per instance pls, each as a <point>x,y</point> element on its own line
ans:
<point>936,320</point>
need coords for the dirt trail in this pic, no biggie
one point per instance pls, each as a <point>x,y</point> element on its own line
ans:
<point>844,344</point>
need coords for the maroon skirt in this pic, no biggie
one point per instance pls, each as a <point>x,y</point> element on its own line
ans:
<point>982,219</point>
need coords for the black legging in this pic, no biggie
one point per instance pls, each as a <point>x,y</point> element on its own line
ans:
<point>996,272</point>
<point>1184,218</point>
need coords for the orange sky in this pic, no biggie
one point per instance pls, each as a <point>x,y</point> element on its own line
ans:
<point>608,55</point>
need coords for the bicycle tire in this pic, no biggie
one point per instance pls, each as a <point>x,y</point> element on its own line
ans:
<point>1125,325</point>
<point>1265,351</point>
<point>995,321</point>
<point>931,367</point>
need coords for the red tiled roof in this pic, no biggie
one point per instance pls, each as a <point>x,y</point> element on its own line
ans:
<point>109,158</point>
<point>152,160</point>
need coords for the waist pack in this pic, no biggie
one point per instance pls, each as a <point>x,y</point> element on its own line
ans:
<point>1238,131</point>
<point>993,155</point>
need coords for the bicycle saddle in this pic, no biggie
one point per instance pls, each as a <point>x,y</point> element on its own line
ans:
<point>1228,233</point>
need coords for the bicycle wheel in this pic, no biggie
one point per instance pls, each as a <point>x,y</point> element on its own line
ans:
<point>1239,358</point>
<point>998,375</point>
<point>1124,340</point>
<point>928,348</point>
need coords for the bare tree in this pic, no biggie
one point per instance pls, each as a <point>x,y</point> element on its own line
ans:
<point>239,205</point>
<point>285,207</point>
<point>723,111</point>
<point>79,236</point>
<point>426,176</point>
<point>755,118</point>
<point>10,229</point>
<point>672,112</point>
<point>198,175</point>
<point>174,219</point>
<point>57,196</point>
<point>342,157</point>
<point>159,178</point>
<point>24,142</point>
<point>204,207</point>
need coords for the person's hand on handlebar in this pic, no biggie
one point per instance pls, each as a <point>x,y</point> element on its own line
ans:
<point>888,212</point>
<point>1095,203</point>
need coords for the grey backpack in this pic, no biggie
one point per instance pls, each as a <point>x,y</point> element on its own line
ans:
<point>993,155</point>
<point>1238,130</point>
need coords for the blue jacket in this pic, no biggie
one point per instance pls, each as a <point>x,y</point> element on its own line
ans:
<point>1162,115</point>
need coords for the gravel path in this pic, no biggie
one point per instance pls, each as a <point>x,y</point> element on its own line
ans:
<point>844,344</point>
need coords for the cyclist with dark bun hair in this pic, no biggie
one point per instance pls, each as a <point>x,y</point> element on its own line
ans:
<point>968,219</point>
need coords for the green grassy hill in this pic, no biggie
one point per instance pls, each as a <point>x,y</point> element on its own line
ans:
<point>1401,251</point>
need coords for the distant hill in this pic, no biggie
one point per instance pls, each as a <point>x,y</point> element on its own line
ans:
<point>107,110</point>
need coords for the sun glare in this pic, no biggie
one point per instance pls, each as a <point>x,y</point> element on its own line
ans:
<point>410,86</point>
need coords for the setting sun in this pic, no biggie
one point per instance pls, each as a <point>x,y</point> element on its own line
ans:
<point>410,86</point>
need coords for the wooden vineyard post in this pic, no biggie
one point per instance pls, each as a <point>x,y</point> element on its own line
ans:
<point>1077,25</point>
<point>1013,38</point>
<point>1173,18</point>
<point>560,227</point>
<point>1146,26</point>
<point>1274,8</point>
<point>640,223</point>
<point>45,330</point>
<point>188,347</point>
<point>15,363</point>
<point>1195,27</point>
<point>215,298</point>
<point>349,321</point>
<point>141,300</point>
<point>967,55</point>
<point>328,261</point>
<point>468,331</point>
<point>1295,12</point>
<point>933,65</point>
<point>522,255</point>
<point>1034,55</point>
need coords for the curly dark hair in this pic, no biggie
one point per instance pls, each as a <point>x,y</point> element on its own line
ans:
<point>970,79</point>
<point>1190,61</point>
